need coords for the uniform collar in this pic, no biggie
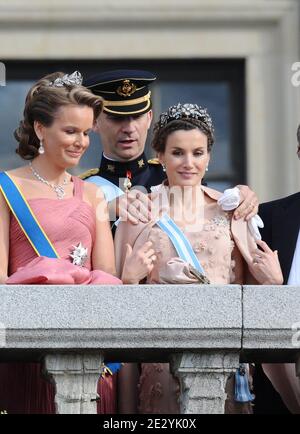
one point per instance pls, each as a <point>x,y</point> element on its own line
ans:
<point>120,169</point>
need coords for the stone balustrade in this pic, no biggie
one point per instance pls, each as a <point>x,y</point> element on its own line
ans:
<point>203,330</point>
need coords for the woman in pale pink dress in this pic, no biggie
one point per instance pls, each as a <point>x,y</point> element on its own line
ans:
<point>224,246</point>
<point>53,135</point>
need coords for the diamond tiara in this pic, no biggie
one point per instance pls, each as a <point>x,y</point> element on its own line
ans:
<point>74,79</point>
<point>182,111</point>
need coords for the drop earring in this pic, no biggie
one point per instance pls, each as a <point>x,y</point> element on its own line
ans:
<point>163,167</point>
<point>206,170</point>
<point>41,149</point>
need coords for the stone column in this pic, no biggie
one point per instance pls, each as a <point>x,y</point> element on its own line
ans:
<point>203,378</point>
<point>75,377</point>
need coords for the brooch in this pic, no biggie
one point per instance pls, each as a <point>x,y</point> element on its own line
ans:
<point>79,255</point>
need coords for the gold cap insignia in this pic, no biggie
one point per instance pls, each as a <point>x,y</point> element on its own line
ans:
<point>126,89</point>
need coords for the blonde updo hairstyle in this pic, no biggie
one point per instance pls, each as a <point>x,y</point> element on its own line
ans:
<point>42,103</point>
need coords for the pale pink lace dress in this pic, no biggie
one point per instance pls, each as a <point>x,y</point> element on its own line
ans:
<point>212,242</point>
<point>66,223</point>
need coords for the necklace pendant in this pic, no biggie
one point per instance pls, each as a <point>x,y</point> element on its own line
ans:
<point>60,192</point>
<point>59,189</point>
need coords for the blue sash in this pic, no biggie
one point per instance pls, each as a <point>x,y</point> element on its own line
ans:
<point>110,368</point>
<point>110,190</point>
<point>180,242</point>
<point>242,392</point>
<point>26,218</point>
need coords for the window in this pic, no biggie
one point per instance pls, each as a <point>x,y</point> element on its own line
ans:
<point>215,84</point>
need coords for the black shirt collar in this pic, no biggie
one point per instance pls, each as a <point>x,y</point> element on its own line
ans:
<point>120,169</point>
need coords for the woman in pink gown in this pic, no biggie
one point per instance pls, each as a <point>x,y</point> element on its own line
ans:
<point>58,115</point>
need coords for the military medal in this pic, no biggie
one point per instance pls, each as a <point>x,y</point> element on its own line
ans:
<point>127,182</point>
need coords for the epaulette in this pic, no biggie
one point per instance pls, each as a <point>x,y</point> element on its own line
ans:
<point>89,173</point>
<point>154,161</point>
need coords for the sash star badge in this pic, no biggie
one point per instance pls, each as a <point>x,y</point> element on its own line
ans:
<point>79,255</point>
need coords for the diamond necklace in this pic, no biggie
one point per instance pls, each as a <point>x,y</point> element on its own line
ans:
<point>59,188</point>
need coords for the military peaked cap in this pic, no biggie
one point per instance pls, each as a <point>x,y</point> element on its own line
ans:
<point>125,91</point>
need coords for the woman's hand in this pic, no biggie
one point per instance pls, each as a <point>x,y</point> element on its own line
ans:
<point>139,264</point>
<point>266,267</point>
<point>134,206</point>
<point>248,206</point>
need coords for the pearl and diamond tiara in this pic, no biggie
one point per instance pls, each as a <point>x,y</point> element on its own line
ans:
<point>74,79</point>
<point>183,111</point>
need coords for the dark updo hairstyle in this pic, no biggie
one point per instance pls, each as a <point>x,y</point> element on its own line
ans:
<point>43,101</point>
<point>182,117</point>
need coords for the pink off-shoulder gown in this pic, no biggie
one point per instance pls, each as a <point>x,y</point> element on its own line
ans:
<point>67,222</point>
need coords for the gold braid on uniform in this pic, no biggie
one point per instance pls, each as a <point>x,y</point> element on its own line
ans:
<point>89,173</point>
<point>154,161</point>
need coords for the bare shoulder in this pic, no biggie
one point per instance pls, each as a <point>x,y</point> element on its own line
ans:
<point>92,192</point>
<point>17,175</point>
<point>93,195</point>
<point>19,172</point>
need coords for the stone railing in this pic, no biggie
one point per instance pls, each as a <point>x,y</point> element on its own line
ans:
<point>202,330</point>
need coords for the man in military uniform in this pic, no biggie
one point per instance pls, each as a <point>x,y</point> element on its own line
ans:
<point>123,126</point>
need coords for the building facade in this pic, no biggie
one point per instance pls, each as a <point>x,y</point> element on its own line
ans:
<point>261,37</point>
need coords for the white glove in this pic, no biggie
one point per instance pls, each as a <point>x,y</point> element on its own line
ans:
<point>230,200</point>
<point>253,224</point>
<point>155,188</point>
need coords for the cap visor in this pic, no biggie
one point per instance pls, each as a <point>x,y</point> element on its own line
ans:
<point>128,110</point>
